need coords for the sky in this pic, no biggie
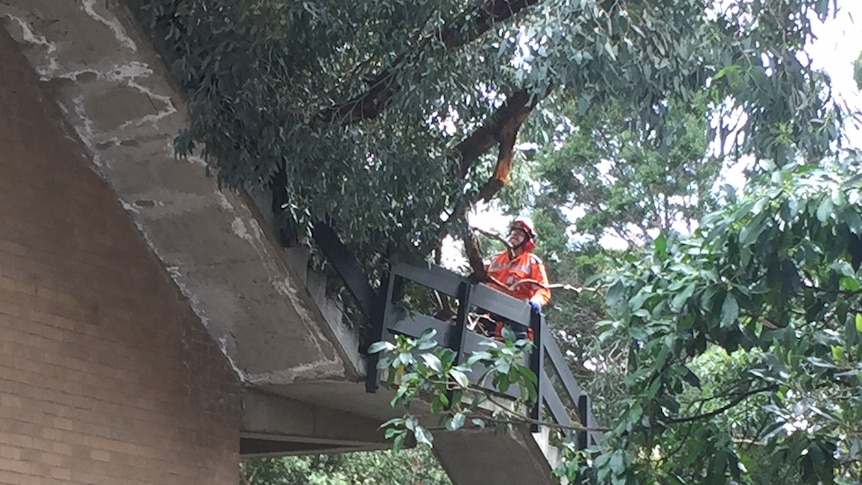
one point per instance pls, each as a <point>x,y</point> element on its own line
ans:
<point>838,43</point>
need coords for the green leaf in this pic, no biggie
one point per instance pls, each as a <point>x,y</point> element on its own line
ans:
<point>459,377</point>
<point>423,436</point>
<point>427,335</point>
<point>729,310</point>
<point>859,322</point>
<point>477,357</point>
<point>433,362</point>
<point>456,422</point>
<point>379,347</point>
<point>838,198</point>
<point>617,462</point>
<point>398,442</point>
<point>824,210</point>
<point>427,345</point>
<point>838,351</point>
<point>411,423</point>
<point>660,244</point>
<point>392,422</point>
<point>680,299</point>
<point>615,294</point>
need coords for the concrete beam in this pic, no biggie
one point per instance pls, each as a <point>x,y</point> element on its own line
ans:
<point>474,456</point>
<point>118,99</point>
<point>303,427</point>
<point>255,447</point>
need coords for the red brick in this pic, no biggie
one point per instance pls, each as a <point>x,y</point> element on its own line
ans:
<point>97,386</point>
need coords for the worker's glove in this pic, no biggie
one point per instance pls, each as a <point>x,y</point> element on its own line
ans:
<point>535,306</point>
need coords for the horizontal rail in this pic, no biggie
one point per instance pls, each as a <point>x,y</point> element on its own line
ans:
<point>561,366</point>
<point>512,309</point>
<point>396,320</point>
<point>433,277</point>
<point>559,413</point>
<point>349,271</point>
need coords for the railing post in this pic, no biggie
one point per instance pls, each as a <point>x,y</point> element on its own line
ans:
<point>583,412</point>
<point>536,361</point>
<point>456,341</point>
<point>347,268</point>
<point>375,333</point>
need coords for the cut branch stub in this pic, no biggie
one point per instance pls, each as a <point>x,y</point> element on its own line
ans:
<point>474,257</point>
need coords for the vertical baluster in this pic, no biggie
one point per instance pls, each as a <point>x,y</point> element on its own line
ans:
<point>457,339</point>
<point>537,359</point>
<point>375,333</point>
<point>583,412</point>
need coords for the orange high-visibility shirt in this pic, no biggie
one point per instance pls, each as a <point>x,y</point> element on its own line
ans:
<point>525,266</point>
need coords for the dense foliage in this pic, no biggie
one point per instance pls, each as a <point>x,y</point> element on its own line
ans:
<point>744,345</point>
<point>408,467</point>
<point>377,115</point>
<point>768,290</point>
<point>637,189</point>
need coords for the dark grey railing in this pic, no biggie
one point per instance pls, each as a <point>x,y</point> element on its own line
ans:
<point>389,318</point>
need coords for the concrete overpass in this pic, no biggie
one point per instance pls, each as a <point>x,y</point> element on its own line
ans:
<point>299,366</point>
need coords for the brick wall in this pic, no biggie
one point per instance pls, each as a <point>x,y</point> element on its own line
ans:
<point>106,375</point>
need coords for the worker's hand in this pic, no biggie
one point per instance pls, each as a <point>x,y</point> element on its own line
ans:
<point>535,306</point>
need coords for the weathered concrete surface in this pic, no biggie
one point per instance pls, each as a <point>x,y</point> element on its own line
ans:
<point>484,457</point>
<point>115,94</point>
<point>294,427</point>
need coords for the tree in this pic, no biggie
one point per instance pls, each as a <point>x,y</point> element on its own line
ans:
<point>745,344</point>
<point>771,282</point>
<point>378,116</point>
<point>627,183</point>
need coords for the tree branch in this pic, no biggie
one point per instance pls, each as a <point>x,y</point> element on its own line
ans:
<point>493,235</point>
<point>715,412</point>
<point>502,127</point>
<point>518,418</point>
<point>381,87</point>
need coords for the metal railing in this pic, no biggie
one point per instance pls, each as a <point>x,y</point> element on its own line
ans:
<point>388,318</point>
<point>546,355</point>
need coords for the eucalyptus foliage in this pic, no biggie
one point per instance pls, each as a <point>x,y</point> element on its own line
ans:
<point>641,186</point>
<point>368,113</point>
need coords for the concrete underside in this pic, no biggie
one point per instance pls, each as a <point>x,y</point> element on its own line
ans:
<point>116,95</point>
<point>272,321</point>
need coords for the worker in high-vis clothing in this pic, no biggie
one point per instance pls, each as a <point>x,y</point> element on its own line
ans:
<point>517,271</point>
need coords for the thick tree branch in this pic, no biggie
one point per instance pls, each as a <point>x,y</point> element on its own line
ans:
<point>474,257</point>
<point>480,19</point>
<point>501,128</point>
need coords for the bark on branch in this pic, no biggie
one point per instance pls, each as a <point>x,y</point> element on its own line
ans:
<point>369,104</point>
<point>501,129</point>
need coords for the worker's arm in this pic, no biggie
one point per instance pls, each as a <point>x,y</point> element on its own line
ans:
<point>537,272</point>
